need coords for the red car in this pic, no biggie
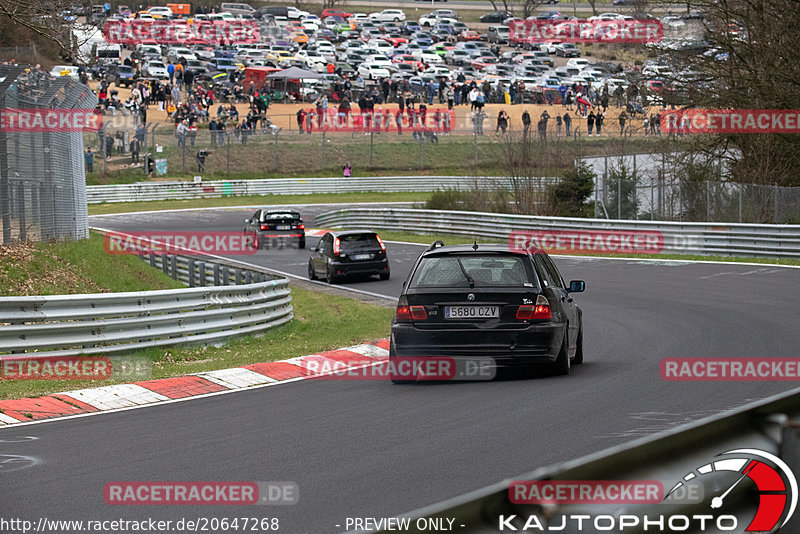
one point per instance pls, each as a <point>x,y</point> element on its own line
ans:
<point>396,41</point>
<point>335,13</point>
<point>408,59</point>
<point>469,35</point>
<point>480,62</point>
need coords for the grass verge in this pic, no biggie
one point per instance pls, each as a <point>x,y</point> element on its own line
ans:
<point>75,267</point>
<point>268,200</point>
<point>322,322</point>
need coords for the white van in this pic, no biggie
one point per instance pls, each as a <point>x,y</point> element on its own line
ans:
<point>237,9</point>
<point>107,53</point>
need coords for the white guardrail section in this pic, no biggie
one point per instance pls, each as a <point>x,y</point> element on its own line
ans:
<point>240,302</point>
<point>724,239</point>
<point>285,186</point>
<point>770,425</point>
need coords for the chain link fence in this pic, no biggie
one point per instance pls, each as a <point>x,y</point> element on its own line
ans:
<point>671,187</point>
<point>42,177</point>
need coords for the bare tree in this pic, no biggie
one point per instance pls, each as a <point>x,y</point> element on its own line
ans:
<point>52,21</point>
<point>754,65</point>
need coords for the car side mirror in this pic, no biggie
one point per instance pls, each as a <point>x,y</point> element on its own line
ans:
<point>247,221</point>
<point>577,286</point>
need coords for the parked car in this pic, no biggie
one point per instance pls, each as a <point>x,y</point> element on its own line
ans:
<point>271,227</point>
<point>488,301</point>
<point>496,16</point>
<point>395,15</point>
<point>342,253</point>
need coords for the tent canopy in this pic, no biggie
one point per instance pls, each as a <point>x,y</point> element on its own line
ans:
<point>293,73</point>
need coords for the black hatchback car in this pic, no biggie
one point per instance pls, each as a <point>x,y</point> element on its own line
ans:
<point>487,301</point>
<point>273,228</point>
<point>343,253</point>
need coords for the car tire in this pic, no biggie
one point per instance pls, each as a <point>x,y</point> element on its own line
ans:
<point>578,359</point>
<point>393,356</point>
<point>384,276</point>
<point>562,364</point>
<point>311,274</point>
<point>329,276</point>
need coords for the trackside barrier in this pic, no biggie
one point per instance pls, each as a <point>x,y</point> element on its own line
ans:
<point>285,186</point>
<point>769,425</point>
<point>237,302</point>
<point>724,239</point>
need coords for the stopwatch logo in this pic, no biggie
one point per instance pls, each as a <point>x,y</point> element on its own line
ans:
<point>769,474</point>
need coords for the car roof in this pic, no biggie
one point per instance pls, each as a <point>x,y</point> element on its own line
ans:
<point>493,248</point>
<point>340,233</point>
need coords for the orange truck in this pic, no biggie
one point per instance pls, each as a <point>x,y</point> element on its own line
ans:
<point>181,9</point>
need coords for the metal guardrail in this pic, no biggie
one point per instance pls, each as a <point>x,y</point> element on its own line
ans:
<point>769,424</point>
<point>240,302</point>
<point>144,191</point>
<point>703,238</point>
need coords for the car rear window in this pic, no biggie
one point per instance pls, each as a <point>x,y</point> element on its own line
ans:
<point>485,270</point>
<point>281,215</point>
<point>354,242</point>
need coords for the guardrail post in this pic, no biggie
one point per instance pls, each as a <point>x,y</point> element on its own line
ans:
<point>216,275</point>
<point>236,277</point>
<point>152,258</point>
<point>173,265</point>
<point>225,276</point>
<point>248,277</point>
<point>164,265</point>
<point>201,274</point>
<point>190,267</point>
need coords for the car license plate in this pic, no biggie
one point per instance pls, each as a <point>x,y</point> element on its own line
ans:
<point>471,312</point>
<point>362,256</point>
<point>284,227</point>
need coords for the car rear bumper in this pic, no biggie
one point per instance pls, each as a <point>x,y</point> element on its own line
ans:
<point>360,267</point>
<point>535,344</point>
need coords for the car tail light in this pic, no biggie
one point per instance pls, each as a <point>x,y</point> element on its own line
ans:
<point>264,226</point>
<point>418,313</point>
<point>541,310</point>
<point>336,247</point>
<point>301,226</point>
<point>380,241</point>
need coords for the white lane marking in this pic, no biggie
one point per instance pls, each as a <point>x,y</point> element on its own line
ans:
<point>7,419</point>
<point>116,396</point>
<point>315,361</point>
<point>372,351</point>
<point>247,206</point>
<point>236,377</point>
<point>182,399</point>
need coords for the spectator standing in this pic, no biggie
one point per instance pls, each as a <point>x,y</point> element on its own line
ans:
<point>135,148</point>
<point>590,122</point>
<point>598,122</point>
<point>171,72</point>
<point>526,123</point>
<point>623,117</point>
<point>568,124</point>
<point>558,125</point>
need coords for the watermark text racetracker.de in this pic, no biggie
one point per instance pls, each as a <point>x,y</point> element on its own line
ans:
<point>132,32</point>
<point>200,493</point>
<point>588,241</point>
<point>724,369</point>
<point>156,242</point>
<point>52,120</point>
<point>241,523</point>
<point>535,31</point>
<point>30,367</point>
<point>412,368</point>
<point>720,121</point>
